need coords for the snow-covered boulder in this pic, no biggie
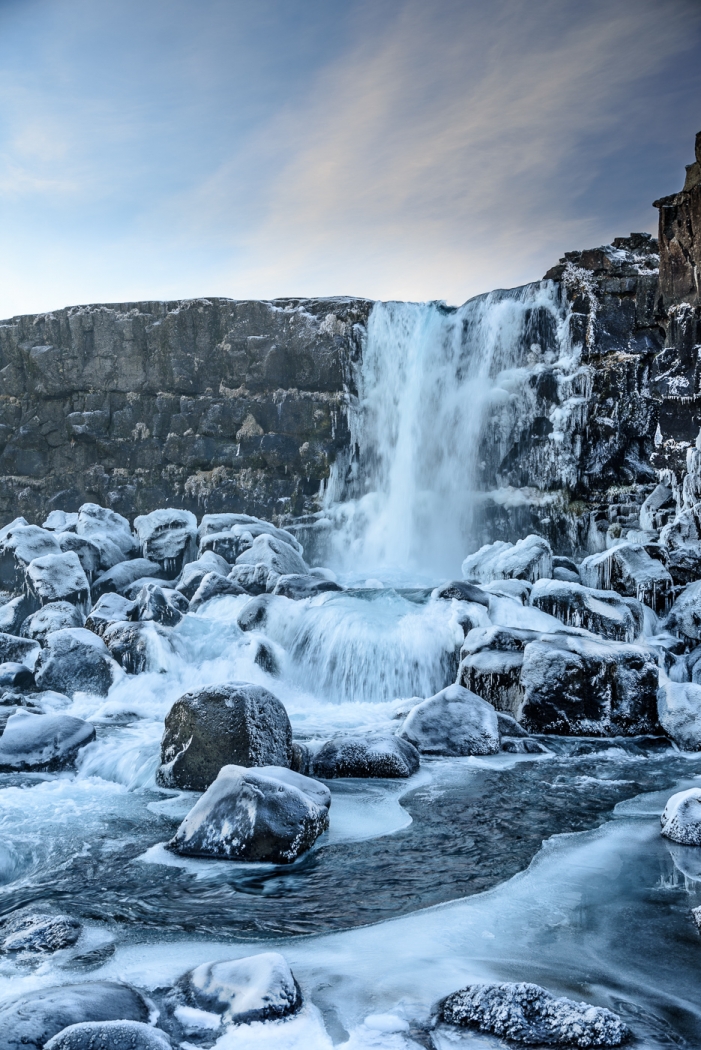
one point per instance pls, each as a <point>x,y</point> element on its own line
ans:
<point>257,988</point>
<point>683,563</point>
<point>603,612</point>
<point>255,815</point>
<point>32,932</point>
<point>375,755</point>
<point>122,576</point>
<point>253,578</point>
<point>220,725</point>
<point>29,1022</point>
<point>14,612</point>
<point>195,571</point>
<point>137,647</point>
<point>528,1014</point>
<point>59,578</point>
<point>160,604</point>
<point>75,660</point>
<point>110,1035</point>
<point>453,722</point>
<point>529,559</point>
<point>18,650</point>
<point>97,524</point>
<point>168,537</point>
<point>658,508</point>
<point>679,713</point>
<point>88,553</point>
<point>225,545</point>
<point>18,548</point>
<point>495,676</point>
<point>306,586</point>
<point>684,617</point>
<point>276,555</point>
<point>110,608</point>
<point>246,528</point>
<point>681,818</point>
<point>16,677</point>
<point>224,522</point>
<point>54,616</point>
<point>60,521</point>
<point>213,585</point>
<point>462,592</point>
<point>629,570</point>
<point>39,742</point>
<point>254,613</point>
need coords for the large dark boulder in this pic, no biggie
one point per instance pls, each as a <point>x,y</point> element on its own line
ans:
<point>376,755</point>
<point>110,608</point>
<point>42,742</point>
<point>214,586</point>
<point>136,647</point>
<point>219,725</point>
<point>606,613</point>
<point>18,650</point>
<point>75,660</point>
<point>123,575</point>
<point>18,547</point>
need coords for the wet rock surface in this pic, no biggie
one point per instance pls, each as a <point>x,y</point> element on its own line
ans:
<point>378,755</point>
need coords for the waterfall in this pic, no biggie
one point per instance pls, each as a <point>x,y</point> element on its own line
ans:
<point>444,395</point>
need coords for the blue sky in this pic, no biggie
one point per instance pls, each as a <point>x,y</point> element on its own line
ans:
<point>393,149</point>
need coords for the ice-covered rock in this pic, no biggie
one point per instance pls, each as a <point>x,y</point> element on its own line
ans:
<point>528,1014</point>
<point>681,818</point>
<point>168,537</point>
<point>685,615</point>
<point>88,553</point>
<point>60,521</point>
<point>679,713</point>
<point>97,524</point>
<point>254,613</point>
<point>75,660</point>
<point>226,545</point>
<point>122,576</point>
<point>110,608</point>
<point>195,571</point>
<point>658,508</point>
<point>18,650</point>
<point>54,616</point>
<point>32,932</point>
<point>300,587</point>
<point>137,647</point>
<point>629,570</point>
<point>375,755</point>
<point>29,1022</point>
<point>213,585</point>
<point>253,578</point>
<point>254,815</point>
<point>494,675</point>
<point>16,676</point>
<point>237,724</point>
<point>14,612</point>
<point>59,578</point>
<point>257,988</point>
<point>528,559</point>
<point>276,555</point>
<point>603,612</point>
<point>246,528</point>
<point>160,604</point>
<point>462,592</point>
<point>683,563</point>
<point>18,548</point>
<point>453,722</point>
<point>110,1035</point>
<point>42,742</point>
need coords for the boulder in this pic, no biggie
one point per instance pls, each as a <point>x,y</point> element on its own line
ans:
<point>245,528</point>
<point>110,1035</point>
<point>257,988</point>
<point>29,1022</point>
<point>566,575</point>
<point>658,508</point>
<point>605,613</point>
<point>683,563</point>
<point>54,616</point>
<point>254,815</point>
<point>111,553</point>
<point>223,523</point>
<point>453,722</point>
<point>60,521</point>
<point>59,578</point>
<point>121,576</point>
<point>529,559</point>
<point>214,586</point>
<point>110,608</point>
<point>629,570</point>
<point>277,556</point>
<point>98,524</point>
<point>42,742</point>
<point>462,592</point>
<point>75,660</point>
<point>16,676</point>
<point>226,545</point>
<point>136,647</point>
<point>159,604</point>
<point>236,724</point>
<point>18,548</point>
<point>681,818</point>
<point>29,932</point>
<point>14,612</point>
<point>527,1014</point>
<point>253,578</point>
<point>134,589</point>
<point>679,713</point>
<point>684,617</point>
<point>195,571</point>
<point>254,613</point>
<point>495,676</point>
<point>168,537</point>
<point>18,650</point>
<point>305,586</point>
<point>376,755</point>
<point>88,553</point>
<point>508,726</point>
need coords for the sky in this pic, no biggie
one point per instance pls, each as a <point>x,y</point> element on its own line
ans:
<point>394,149</point>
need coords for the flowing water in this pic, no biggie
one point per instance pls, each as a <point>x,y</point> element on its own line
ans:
<point>547,868</point>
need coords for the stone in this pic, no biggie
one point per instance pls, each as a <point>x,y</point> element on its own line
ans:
<point>54,616</point>
<point>18,650</point>
<point>684,617</point>
<point>254,815</point>
<point>495,676</point>
<point>110,608</point>
<point>605,613</point>
<point>657,508</point>
<point>679,713</point>
<point>226,545</point>
<point>31,932</point>
<point>110,1035</point>
<point>629,570</point>
<point>18,548</point>
<point>256,988</point>
<point>462,592</point>
<point>121,576</point>
<point>14,612</point>
<point>681,818</point>
<point>60,521</point>
<point>453,722</point>
<point>245,528</point>
<point>75,660</point>
<point>195,571</point>
<point>29,1022</point>
<point>528,559</point>
<point>254,613</point>
<point>59,578</point>
<point>528,1014</point>
<point>160,604</point>
<point>253,578</point>
<point>97,523</point>
<point>214,586</point>
<point>376,755</point>
<point>566,575</point>
<point>137,647</point>
<point>215,726</point>
<point>277,556</point>
<point>305,586</point>
<point>88,553</point>
<point>168,537</point>
<point>508,726</point>
<point>16,676</point>
<point>42,742</point>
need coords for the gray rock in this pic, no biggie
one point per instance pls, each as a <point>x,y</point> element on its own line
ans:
<point>18,548</point>
<point>31,932</point>
<point>376,755</point>
<point>254,613</point>
<point>18,650</point>
<point>463,592</point>
<point>523,746</point>
<point>605,613</point>
<point>54,616</point>
<point>42,742</point>
<point>253,578</point>
<point>195,571</point>
<point>29,1022</point>
<point>88,552</point>
<point>226,545</point>
<point>16,676</point>
<point>629,570</point>
<point>110,1035</point>
<point>257,988</point>
<point>566,575</point>
<point>206,729</point>
<point>679,713</point>
<point>59,578</point>
<point>494,675</point>
<point>168,537</point>
<point>110,608</point>
<point>121,576</point>
<point>214,586</point>
<point>159,604</point>
<point>75,660</point>
<point>453,722</point>
<point>681,818</point>
<point>685,615</point>
<point>14,612</point>
<point>97,523</point>
<point>136,647</point>
<point>134,589</point>
<point>528,559</point>
<point>305,586</point>
<point>277,556</point>
<point>60,521</point>
<point>254,815</point>
<point>508,726</point>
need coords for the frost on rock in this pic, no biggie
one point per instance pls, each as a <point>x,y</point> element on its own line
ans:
<point>214,585</point>
<point>19,547</point>
<point>42,742</point>
<point>253,578</point>
<point>110,608</point>
<point>137,647</point>
<point>681,818</point>
<point>195,571</point>
<point>88,552</point>
<point>38,933</point>
<point>168,537</point>
<point>97,524</point>
<point>679,712</point>
<point>75,660</point>
<point>685,615</point>
<point>375,755</point>
<point>59,577</point>
<point>528,559</point>
<point>122,576</point>
<point>257,988</point>
<point>453,722</point>
<point>277,556</point>
<point>604,613</point>
<point>629,570</point>
<point>110,1035</point>
<point>254,815</point>
<point>18,650</point>
<point>54,616</point>
<point>158,604</point>
<point>299,587</point>
<point>528,1014</point>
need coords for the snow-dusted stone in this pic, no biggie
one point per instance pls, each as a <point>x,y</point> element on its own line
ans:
<point>110,1035</point>
<point>566,575</point>
<point>160,604</point>
<point>685,615</point>
<point>629,570</point>
<point>246,528</point>
<point>226,545</point>
<point>14,612</point>
<point>60,521</point>
<point>122,576</point>
<point>683,563</point>
<point>212,523</point>
<point>42,741</point>
<point>75,660</point>
<point>134,589</point>
<point>254,613</point>
<point>578,686</point>
<point>59,578</point>
<point>220,725</point>
<point>657,508</point>
<point>453,722</point>
<point>462,592</point>
<point>603,612</point>
<point>168,537</point>
<point>18,650</point>
<point>679,713</point>
<point>256,988</point>
<point>18,548</point>
<point>97,524</point>
<point>527,1014</point>
<point>254,815</point>
<point>529,559</point>
<point>88,553</point>
<point>277,556</point>
<point>54,616</point>
<point>110,608</point>
<point>29,1022</point>
<point>137,647</point>
<point>16,677</point>
<point>681,818</point>
<point>306,586</point>
<point>195,571</point>
<point>253,578</point>
<point>495,676</point>
<point>375,755</point>
<point>213,585</point>
<point>32,932</point>
<point>11,526</point>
